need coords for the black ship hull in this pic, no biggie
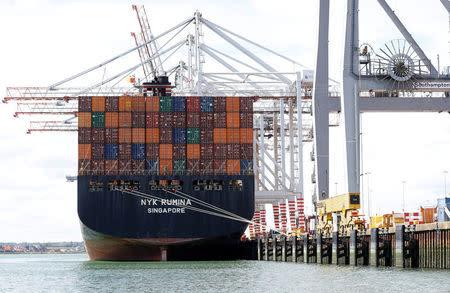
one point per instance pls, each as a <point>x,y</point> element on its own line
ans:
<point>119,226</point>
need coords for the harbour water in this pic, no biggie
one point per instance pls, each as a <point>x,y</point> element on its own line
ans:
<point>75,273</point>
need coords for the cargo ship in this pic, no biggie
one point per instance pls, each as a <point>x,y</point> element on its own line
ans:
<point>157,144</point>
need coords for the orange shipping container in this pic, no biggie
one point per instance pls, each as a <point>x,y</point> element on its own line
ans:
<point>152,135</point>
<point>98,104</point>
<point>138,104</point>
<point>124,119</point>
<point>84,151</point>
<point>233,135</point>
<point>124,135</point>
<point>220,135</point>
<point>193,151</point>
<point>152,104</point>
<point>165,167</point>
<point>233,167</point>
<point>232,104</point>
<point>111,119</point>
<point>165,151</point>
<point>84,119</point>
<point>125,104</point>
<point>233,119</point>
<point>138,135</point>
<point>246,135</point>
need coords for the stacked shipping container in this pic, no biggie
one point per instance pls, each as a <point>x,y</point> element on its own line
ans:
<point>165,135</point>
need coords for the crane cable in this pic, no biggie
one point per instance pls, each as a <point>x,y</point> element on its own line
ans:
<point>235,217</point>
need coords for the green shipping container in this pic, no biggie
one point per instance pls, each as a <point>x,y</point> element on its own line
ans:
<point>193,135</point>
<point>179,167</point>
<point>98,119</point>
<point>165,104</point>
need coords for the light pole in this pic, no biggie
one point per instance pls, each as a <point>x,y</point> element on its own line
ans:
<point>335,185</point>
<point>368,193</point>
<point>445,183</point>
<point>403,195</point>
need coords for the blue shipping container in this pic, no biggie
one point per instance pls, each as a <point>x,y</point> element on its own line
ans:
<point>246,167</point>
<point>151,166</point>
<point>206,104</point>
<point>111,151</point>
<point>179,104</point>
<point>138,151</point>
<point>442,205</point>
<point>179,135</point>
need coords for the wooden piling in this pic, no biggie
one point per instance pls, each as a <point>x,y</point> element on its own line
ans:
<point>373,258</point>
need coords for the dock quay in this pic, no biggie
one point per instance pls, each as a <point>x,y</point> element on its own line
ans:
<point>416,246</point>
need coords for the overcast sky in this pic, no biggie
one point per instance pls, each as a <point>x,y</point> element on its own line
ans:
<point>46,41</point>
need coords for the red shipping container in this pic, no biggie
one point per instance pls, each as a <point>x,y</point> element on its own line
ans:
<point>98,151</point>
<point>207,135</point>
<point>165,135</point>
<point>124,151</point>
<point>124,119</point>
<point>84,135</point>
<point>193,104</point>
<point>125,167</point>
<point>85,104</point>
<point>246,104</point>
<point>165,119</point>
<point>233,120</point>
<point>98,104</point>
<point>193,151</point>
<point>192,167</point>
<point>152,135</point>
<point>246,151</point>
<point>84,167</point>
<point>206,151</point>
<point>138,135</point>
<point>232,104</point>
<point>152,104</point>
<point>112,104</point>
<point>84,151</point>
<point>138,104</point>
<point>179,119</point>
<point>152,119</point>
<point>220,104</point>
<point>246,135</point>
<point>98,167</point>
<point>220,120</point>
<point>246,120</point>
<point>125,135</point>
<point>207,167</point>
<point>233,167</point>
<point>138,119</point>
<point>111,167</point>
<point>206,120</point>
<point>179,151</point>
<point>165,151</point>
<point>112,119</point>
<point>233,151</point>
<point>193,119</point>
<point>220,167</point>
<point>98,135</point>
<point>233,135</point>
<point>220,135</point>
<point>111,135</point>
<point>152,151</point>
<point>138,167</point>
<point>165,167</point>
<point>125,104</point>
<point>220,151</point>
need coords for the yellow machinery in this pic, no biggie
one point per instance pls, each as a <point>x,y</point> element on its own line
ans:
<point>386,220</point>
<point>341,211</point>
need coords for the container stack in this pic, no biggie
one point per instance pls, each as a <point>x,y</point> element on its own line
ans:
<point>165,135</point>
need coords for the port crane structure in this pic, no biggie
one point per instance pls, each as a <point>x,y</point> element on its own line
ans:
<point>395,78</point>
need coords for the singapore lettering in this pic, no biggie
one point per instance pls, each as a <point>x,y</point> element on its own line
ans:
<point>173,206</point>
